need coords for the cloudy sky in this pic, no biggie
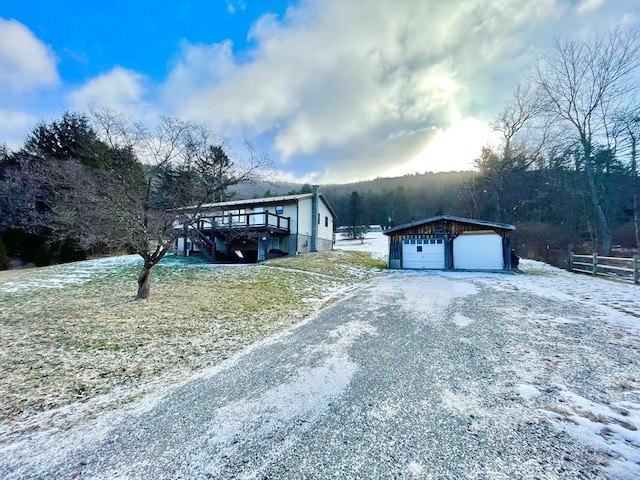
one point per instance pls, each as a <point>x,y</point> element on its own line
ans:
<point>332,90</point>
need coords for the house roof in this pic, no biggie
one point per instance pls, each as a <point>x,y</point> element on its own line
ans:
<point>264,201</point>
<point>453,218</point>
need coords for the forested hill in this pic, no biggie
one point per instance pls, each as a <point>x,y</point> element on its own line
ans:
<point>396,199</point>
<point>392,201</point>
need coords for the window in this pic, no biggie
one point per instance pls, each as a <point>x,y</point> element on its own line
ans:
<point>419,248</point>
<point>413,242</point>
<point>326,221</point>
<point>439,241</point>
<point>279,210</point>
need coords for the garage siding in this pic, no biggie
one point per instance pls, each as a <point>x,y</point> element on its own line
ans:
<point>467,244</point>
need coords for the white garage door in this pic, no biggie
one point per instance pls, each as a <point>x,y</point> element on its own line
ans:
<point>423,253</point>
<point>478,252</point>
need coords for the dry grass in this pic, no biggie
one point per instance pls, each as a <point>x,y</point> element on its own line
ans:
<point>81,340</point>
<point>339,263</point>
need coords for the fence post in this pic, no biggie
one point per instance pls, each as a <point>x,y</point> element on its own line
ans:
<point>595,263</point>
<point>636,266</point>
<point>570,261</point>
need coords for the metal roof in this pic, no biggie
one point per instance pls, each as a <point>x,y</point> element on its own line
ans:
<point>472,221</point>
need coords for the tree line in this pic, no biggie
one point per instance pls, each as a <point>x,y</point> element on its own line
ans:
<point>100,182</point>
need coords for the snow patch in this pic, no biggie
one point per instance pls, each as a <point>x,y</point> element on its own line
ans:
<point>527,391</point>
<point>60,276</point>
<point>462,404</point>
<point>433,294</point>
<point>415,468</point>
<point>618,302</point>
<point>375,243</point>
<point>461,321</point>
<point>384,412</point>
<point>610,428</point>
<point>299,401</point>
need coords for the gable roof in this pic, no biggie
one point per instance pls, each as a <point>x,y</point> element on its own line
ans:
<point>453,218</point>
<point>265,201</point>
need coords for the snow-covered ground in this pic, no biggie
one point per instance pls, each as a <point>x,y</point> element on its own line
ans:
<point>612,428</point>
<point>604,416</point>
<point>622,299</point>
<point>375,243</point>
<point>59,276</point>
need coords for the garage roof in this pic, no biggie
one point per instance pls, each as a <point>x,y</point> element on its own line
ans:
<point>453,218</point>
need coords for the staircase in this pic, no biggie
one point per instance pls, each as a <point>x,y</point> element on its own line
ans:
<point>200,240</point>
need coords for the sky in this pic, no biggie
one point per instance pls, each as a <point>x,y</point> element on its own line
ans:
<point>332,91</point>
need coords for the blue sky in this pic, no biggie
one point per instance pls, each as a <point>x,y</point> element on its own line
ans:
<point>331,90</point>
<point>90,37</point>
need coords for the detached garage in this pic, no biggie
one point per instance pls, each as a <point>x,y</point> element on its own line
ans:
<point>447,242</point>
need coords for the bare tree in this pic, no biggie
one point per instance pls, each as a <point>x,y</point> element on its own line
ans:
<point>519,148</point>
<point>516,114</point>
<point>583,84</point>
<point>161,170</point>
<point>627,129</point>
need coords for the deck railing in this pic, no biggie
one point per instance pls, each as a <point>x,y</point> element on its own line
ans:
<point>621,268</point>
<point>253,220</point>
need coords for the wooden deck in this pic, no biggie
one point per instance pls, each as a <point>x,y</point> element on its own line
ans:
<point>247,222</point>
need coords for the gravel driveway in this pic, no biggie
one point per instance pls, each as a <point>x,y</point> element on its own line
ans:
<point>416,375</point>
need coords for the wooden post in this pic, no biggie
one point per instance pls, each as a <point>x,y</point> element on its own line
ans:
<point>570,256</point>
<point>636,266</point>
<point>595,263</point>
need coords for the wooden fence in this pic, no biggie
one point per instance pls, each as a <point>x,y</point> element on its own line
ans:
<point>614,267</point>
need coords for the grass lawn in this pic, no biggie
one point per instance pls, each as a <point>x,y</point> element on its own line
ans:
<point>71,333</point>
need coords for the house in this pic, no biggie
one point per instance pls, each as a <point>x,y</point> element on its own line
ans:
<point>447,242</point>
<point>256,229</point>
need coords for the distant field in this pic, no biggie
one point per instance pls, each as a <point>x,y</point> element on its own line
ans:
<point>71,333</point>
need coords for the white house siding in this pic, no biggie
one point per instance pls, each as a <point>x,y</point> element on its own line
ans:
<point>304,225</point>
<point>325,230</point>
<point>290,210</point>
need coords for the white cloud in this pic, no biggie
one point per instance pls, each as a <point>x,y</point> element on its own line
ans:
<point>119,89</point>
<point>455,148</point>
<point>335,73</point>
<point>13,125</point>
<point>587,6</point>
<point>348,90</point>
<point>25,62</point>
<point>234,5</point>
